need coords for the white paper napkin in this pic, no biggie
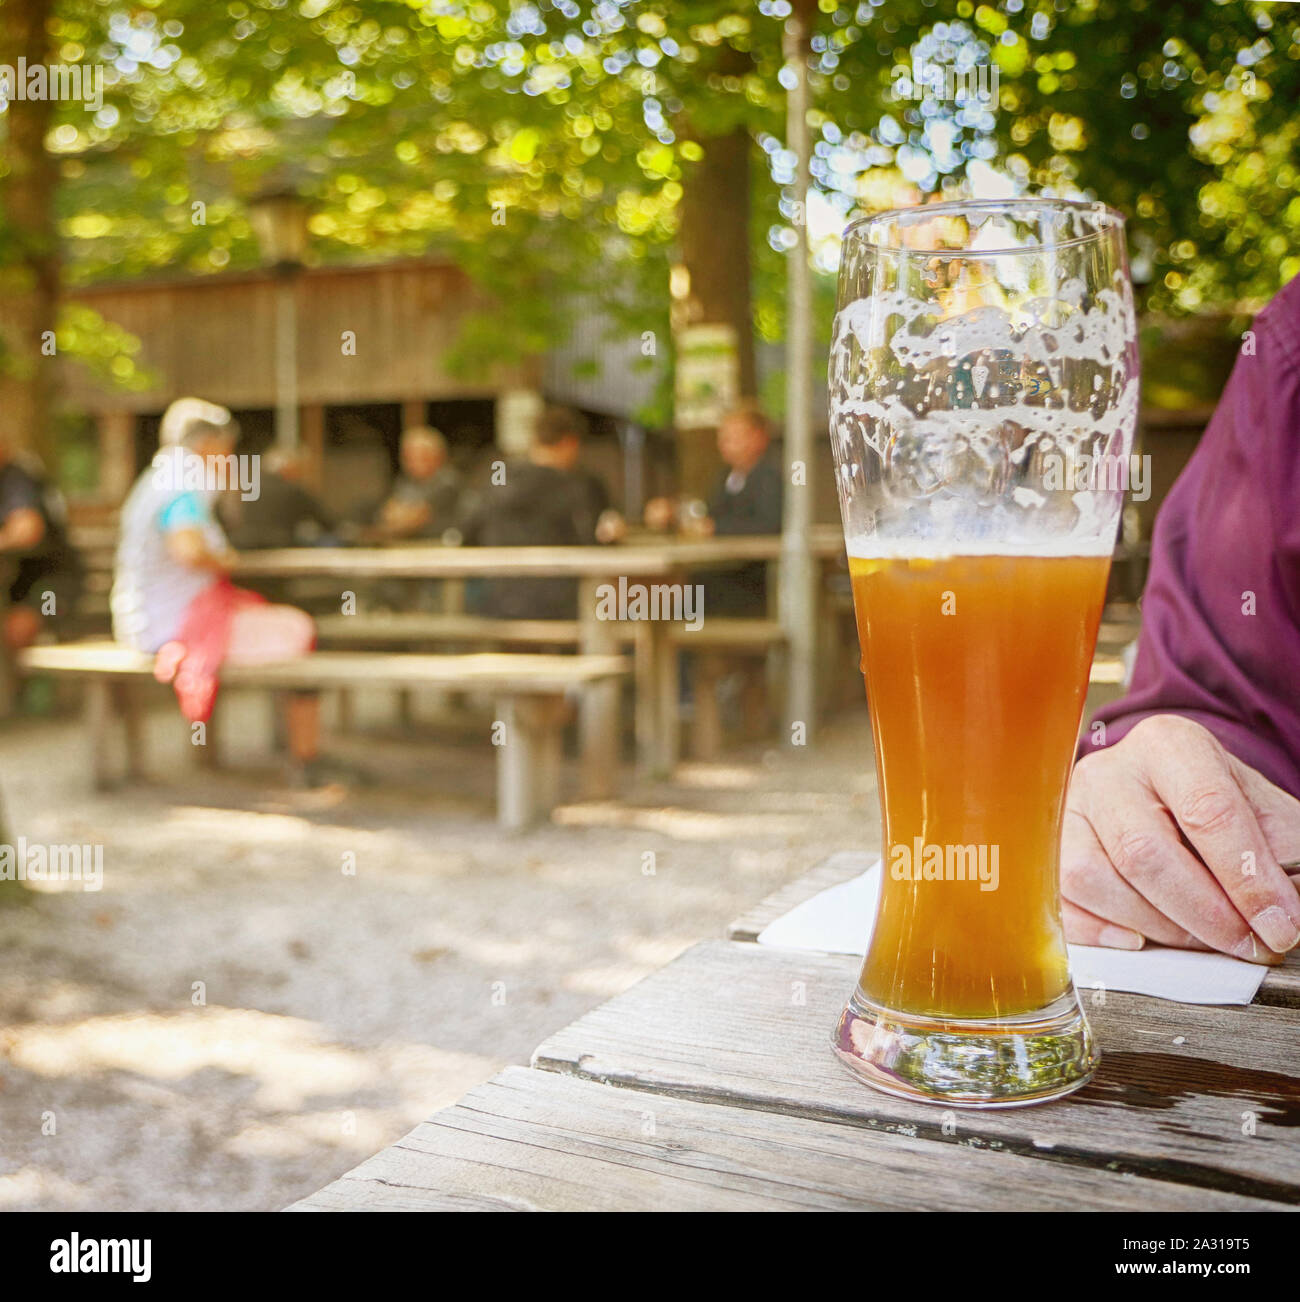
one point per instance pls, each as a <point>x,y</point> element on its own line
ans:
<point>839,921</point>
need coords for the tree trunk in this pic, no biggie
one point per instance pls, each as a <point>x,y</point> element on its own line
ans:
<point>29,267</point>
<point>713,237</point>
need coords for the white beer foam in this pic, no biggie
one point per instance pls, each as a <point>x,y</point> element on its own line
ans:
<point>1098,335</point>
<point>876,548</point>
<point>1050,378</point>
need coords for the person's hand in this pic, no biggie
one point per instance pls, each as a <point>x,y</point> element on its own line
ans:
<point>22,530</point>
<point>1170,838</point>
<point>191,547</point>
<point>660,513</point>
<point>697,526</point>
<point>401,518</point>
<point>611,527</point>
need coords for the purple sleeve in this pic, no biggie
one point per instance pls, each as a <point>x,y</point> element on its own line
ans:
<point>1220,639</point>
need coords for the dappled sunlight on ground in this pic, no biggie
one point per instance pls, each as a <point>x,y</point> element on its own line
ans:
<point>715,777</point>
<point>360,1131</point>
<point>284,1057</point>
<point>362,965</point>
<point>680,824</point>
<point>35,1186</point>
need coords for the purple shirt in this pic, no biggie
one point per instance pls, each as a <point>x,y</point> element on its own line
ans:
<point>1220,639</point>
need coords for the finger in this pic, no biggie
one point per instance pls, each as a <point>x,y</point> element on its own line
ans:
<point>1142,842</point>
<point>1278,811</point>
<point>1089,881</point>
<point>1196,783</point>
<point>1084,928</point>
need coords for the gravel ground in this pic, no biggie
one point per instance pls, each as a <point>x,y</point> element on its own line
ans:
<point>234,1020</point>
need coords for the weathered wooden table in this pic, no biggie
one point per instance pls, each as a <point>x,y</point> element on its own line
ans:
<point>711,1085</point>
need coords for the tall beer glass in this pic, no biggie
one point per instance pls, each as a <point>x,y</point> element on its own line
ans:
<point>983,398</point>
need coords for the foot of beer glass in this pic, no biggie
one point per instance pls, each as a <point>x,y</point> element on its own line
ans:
<point>971,1063</point>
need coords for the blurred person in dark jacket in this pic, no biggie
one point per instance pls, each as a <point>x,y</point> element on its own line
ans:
<point>43,572</point>
<point>746,500</point>
<point>283,514</point>
<point>548,500</point>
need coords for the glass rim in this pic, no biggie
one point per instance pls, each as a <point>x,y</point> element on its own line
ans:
<point>954,207</point>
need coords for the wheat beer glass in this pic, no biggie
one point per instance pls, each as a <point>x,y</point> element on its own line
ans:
<point>983,397</point>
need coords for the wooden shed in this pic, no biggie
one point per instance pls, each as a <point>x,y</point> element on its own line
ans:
<point>372,343</point>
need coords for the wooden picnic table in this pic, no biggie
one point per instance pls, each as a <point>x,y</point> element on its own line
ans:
<point>667,560</point>
<point>711,1085</point>
<point>432,560</point>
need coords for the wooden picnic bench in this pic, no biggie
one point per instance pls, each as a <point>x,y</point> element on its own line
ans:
<point>529,691</point>
<point>413,628</point>
<point>711,1086</point>
<point>712,647</point>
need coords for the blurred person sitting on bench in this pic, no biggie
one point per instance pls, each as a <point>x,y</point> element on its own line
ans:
<point>745,501</point>
<point>44,571</point>
<point>172,596</point>
<point>425,497</point>
<point>283,514</point>
<point>549,500</point>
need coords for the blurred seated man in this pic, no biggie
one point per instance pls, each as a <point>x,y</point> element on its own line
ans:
<point>425,498</point>
<point>746,500</point>
<point>549,500</point>
<point>1183,806</point>
<point>172,596</point>
<point>283,514</point>
<point>44,572</point>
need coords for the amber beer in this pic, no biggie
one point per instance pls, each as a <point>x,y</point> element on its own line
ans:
<point>976,668</point>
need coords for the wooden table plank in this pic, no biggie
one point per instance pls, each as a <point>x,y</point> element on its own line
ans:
<point>1281,986</point>
<point>533,1140</point>
<point>486,671</point>
<point>433,561</point>
<point>742,1024</point>
<point>436,562</point>
<point>417,626</point>
<point>717,633</point>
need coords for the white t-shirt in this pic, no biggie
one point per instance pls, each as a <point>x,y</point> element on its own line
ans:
<point>152,590</point>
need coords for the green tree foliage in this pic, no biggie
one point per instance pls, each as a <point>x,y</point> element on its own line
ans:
<point>1180,114</point>
<point>546,146</point>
